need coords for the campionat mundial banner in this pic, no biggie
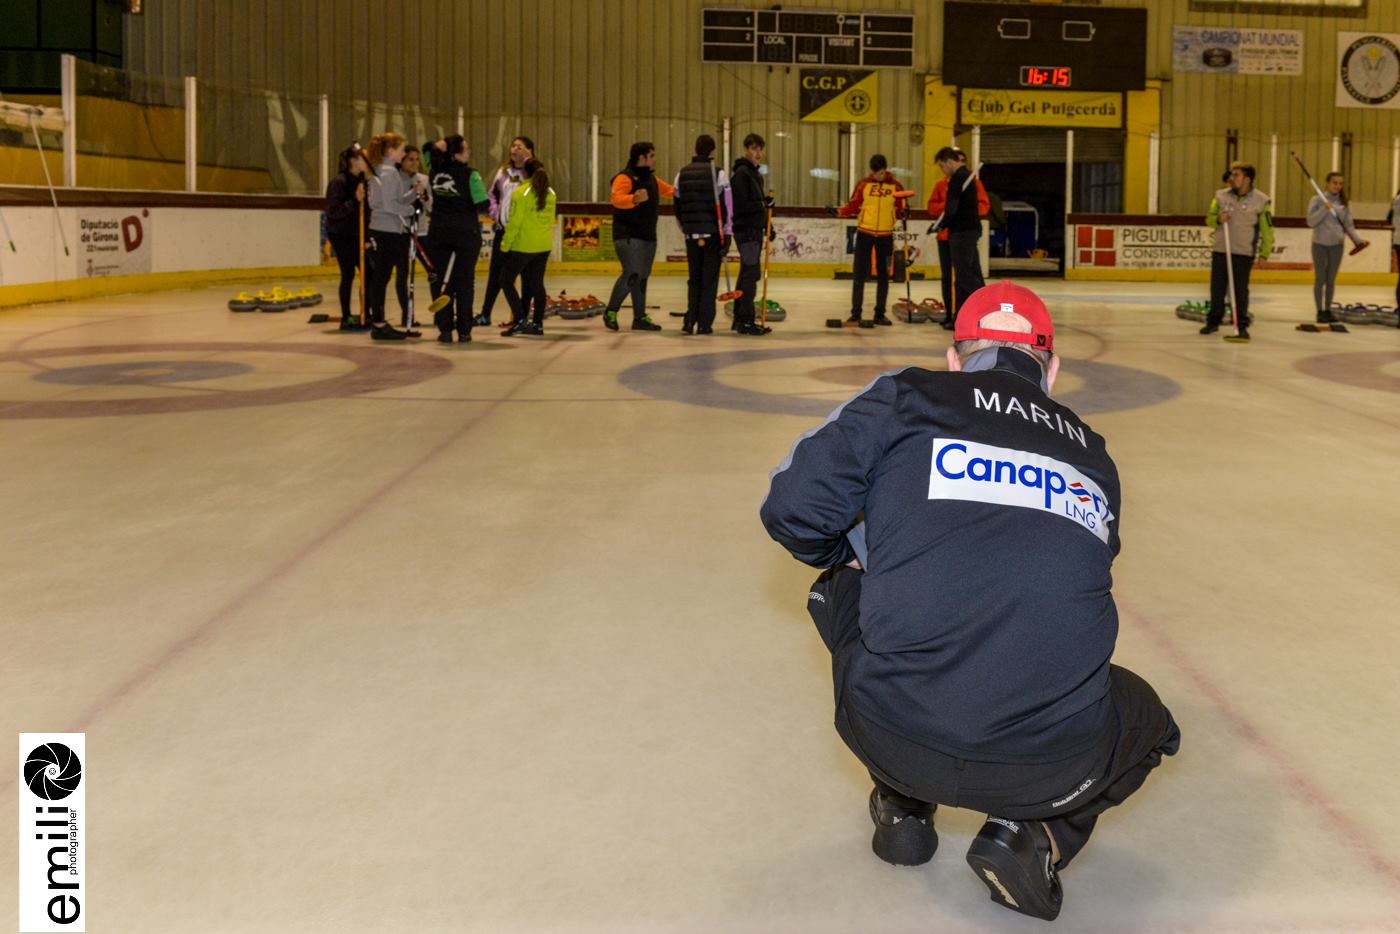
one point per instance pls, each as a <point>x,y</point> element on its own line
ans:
<point>1232,51</point>
<point>52,832</point>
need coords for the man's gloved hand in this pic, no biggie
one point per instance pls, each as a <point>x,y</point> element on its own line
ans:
<point>768,202</point>
<point>772,233</point>
<point>933,228</point>
<point>831,211</point>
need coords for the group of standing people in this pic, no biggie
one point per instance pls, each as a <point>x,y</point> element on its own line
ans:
<point>712,206</point>
<point>879,203</point>
<point>379,203</point>
<point>378,207</point>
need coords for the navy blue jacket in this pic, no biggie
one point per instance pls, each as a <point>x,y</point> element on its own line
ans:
<point>991,518</point>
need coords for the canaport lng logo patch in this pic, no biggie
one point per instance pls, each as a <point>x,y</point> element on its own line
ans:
<point>984,473</point>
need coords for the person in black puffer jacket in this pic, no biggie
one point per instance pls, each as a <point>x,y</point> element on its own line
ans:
<point>454,239</point>
<point>750,225</point>
<point>701,196</point>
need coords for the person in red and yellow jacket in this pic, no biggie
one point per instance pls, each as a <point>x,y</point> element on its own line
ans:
<point>937,203</point>
<point>876,204</point>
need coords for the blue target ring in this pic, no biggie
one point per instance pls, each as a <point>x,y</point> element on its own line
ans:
<point>692,380</point>
<point>143,372</point>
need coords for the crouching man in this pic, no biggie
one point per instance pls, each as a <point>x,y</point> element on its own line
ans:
<point>966,525</point>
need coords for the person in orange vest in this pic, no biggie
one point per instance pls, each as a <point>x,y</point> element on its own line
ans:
<point>937,203</point>
<point>877,202</point>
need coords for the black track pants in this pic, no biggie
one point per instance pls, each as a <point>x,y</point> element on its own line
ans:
<point>873,257</point>
<point>1068,795</point>
<point>1220,287</point>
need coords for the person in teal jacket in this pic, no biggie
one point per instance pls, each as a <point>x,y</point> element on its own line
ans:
<point>527,242</point>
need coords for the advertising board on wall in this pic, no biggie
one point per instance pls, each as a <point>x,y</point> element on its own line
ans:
<point>1069,109</point>
<point>113,242</point>
<point>586,238</point>
<point>838,96</point>
<point>1163,247</point>
<point>1237,51</point>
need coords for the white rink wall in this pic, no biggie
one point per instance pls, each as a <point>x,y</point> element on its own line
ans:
<point>131,240</point>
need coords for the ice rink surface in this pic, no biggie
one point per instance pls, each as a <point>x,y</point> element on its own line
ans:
<point>377,638</point>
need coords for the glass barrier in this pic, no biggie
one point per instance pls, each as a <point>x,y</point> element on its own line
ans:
<point>130,129</point>
<point>257,142</point>
<point>130,133</point>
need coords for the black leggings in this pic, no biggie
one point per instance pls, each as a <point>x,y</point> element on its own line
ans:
<point>530,268</point>
<point>390,256</point>
<point>443,246</point>
<point>494,274</point>
<point>347,254</point>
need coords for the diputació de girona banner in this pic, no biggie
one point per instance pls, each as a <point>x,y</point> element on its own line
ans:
<point>113,242</point>
<point>52,832</point>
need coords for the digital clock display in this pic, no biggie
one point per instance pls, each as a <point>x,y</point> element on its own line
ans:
<point>1045,76</point>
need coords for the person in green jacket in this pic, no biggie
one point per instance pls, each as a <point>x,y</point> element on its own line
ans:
<point>527,242</point>
<point>1250,226</point>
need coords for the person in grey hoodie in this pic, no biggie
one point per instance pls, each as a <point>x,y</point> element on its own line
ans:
<point>1331,223</point>
<point>391,198</point>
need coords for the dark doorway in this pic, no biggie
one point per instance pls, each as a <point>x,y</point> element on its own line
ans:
<point>1028,217</point>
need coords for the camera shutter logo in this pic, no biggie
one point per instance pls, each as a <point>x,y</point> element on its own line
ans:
<point>1371,70</point>
<point>53,771</point>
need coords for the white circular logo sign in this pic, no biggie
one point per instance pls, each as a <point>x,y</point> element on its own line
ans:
<point>1371,70</point>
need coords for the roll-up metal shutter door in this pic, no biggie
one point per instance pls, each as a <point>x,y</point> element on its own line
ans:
<point>1003,145</point>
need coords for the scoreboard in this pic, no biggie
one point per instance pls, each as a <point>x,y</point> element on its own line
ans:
<point>807,37</point>
<point>1026,45</point>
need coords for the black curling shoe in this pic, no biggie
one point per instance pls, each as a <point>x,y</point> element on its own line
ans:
<point>387,332</point>
<point>904,833</point>
<point>1012,858</point>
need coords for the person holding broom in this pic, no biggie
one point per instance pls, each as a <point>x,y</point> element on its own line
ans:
<point>750,227</point>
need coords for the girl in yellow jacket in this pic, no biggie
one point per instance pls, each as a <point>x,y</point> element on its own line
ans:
<point>527,242</point>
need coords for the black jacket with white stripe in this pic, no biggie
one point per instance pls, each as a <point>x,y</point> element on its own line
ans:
<point>991,522</point>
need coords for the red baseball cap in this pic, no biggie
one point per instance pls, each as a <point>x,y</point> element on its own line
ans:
<point>1005,296</point>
